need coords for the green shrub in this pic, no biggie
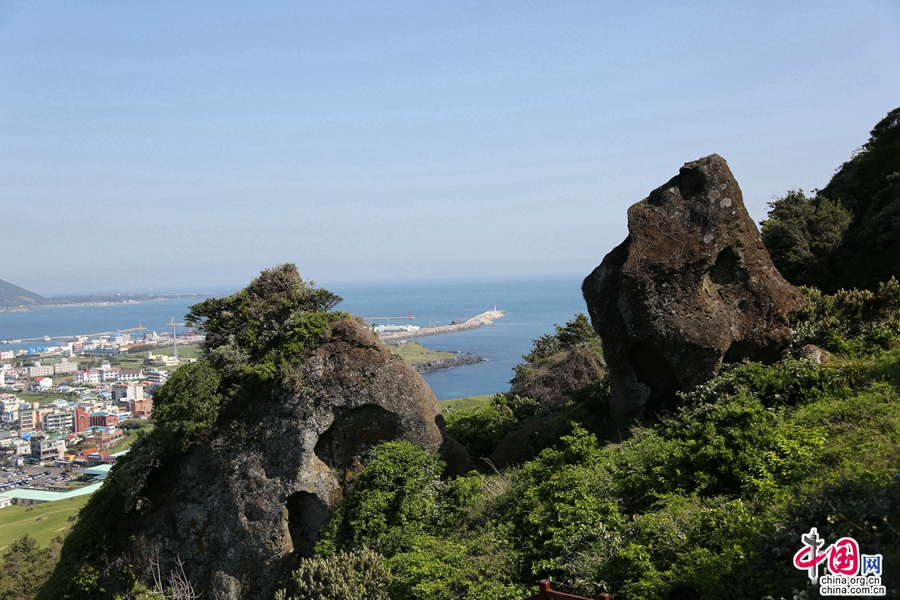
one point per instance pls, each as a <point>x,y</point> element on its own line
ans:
<point>562,493</point>
<point>577,333</point>
<point>393,501</point>
<point>801,231</point>
<point>187,407</point>
<point>711,544</point>
<point>567,360</point>
<point>787,383</point>
<point>25,567</point>
<point>252,322</point>
<point>850,322</point>
<point>481,428</point>
<point>360,575</point>
<point>438,568</point>
<point>733,448</point>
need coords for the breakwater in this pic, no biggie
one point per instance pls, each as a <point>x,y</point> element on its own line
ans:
<point>485,318</point>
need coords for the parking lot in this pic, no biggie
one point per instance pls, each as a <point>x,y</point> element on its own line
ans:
<point>32,478</point>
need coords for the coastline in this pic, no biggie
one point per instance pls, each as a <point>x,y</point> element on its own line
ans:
<point>154,298</point>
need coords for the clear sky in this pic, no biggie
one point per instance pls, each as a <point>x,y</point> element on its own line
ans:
<point>162,146</point>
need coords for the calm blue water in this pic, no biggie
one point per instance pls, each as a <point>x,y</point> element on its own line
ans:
<point>533,305</point>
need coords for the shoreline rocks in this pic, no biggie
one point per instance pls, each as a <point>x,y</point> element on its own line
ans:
<point>448,363</point>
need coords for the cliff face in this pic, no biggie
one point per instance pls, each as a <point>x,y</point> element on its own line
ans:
<point>242,500</point>
<point>690,287</point>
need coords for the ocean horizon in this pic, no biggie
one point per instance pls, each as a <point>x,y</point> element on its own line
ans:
<point>532,306</point>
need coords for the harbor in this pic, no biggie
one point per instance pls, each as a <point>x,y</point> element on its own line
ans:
<point>411,331</point>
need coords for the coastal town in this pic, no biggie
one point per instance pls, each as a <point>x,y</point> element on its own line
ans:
<point>68,411</point>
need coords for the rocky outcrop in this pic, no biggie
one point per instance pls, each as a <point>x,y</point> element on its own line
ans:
<point>448,363</point>
<point>241,512</point>
<point>690,287</point>
<point>240,505</point>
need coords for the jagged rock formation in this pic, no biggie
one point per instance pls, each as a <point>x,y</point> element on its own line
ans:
<point>242,499</point>
<point>690,287</point>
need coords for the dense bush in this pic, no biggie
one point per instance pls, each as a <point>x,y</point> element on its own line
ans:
<point>481,428</point>
<point>400,506</point>
<point>800,231</point>
<point>359,575</point>
<point>259,333</point>
<point>392,501</point>
<point>187,407</point>
<point>25,567</point>
<point>849,322</point>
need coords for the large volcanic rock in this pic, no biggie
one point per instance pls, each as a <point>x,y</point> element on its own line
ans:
<point>239,506</point>
<point>690,287</point>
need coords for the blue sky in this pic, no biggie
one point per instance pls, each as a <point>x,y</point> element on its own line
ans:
<point>189,145</point>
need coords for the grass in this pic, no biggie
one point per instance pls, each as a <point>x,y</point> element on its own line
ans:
<point>129,438</point>
<point>467,403</point>
<point>45,397</point>
<point>184,351</point>
<point>414,353</point>
<point>43,522</point>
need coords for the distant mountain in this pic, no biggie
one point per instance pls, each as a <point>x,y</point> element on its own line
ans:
<point>12,296</point>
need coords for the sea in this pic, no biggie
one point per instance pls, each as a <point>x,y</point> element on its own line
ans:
<point>532,306</point>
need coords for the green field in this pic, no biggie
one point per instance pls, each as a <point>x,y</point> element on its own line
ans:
<point>467,403</point>
<point>184,351</point>
<point>415,353</point>
<point>43,522</point>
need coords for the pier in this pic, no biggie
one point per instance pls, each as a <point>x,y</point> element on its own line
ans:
<point>485,318</point>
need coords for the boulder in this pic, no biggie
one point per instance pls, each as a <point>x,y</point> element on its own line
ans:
<point>691,287</point>
<point>242,513</point>
<point>236,509</point>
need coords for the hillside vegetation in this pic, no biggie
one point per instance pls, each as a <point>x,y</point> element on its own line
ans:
<point>846,235</point>
<point>715,495</point>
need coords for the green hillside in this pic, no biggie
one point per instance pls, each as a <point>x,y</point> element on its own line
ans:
<point>12,296</point>
<point>846,235</point>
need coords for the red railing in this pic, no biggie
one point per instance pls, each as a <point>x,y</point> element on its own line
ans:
<point>546,593</point>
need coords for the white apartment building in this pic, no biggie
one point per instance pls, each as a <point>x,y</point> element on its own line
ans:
<point>57,421</point>
<point>65,366</point>
<point>131,374</point>
<point>157,377</point>
<point>88,376</point>
<point>127,392</point>
<point>38,370</point>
